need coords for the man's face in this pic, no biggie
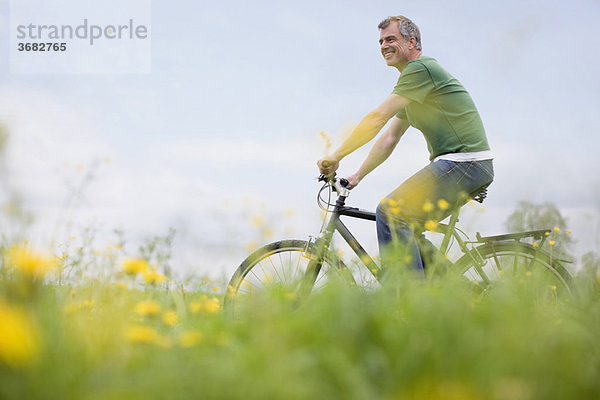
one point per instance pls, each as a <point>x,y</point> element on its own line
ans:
<point>393,46</point>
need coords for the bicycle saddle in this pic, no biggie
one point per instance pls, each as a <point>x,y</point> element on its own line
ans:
<point>480,194</point>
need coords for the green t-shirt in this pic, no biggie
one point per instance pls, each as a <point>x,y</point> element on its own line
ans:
<point>441,108</point>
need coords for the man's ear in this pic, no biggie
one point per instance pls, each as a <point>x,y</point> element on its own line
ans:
<point>412,42</point>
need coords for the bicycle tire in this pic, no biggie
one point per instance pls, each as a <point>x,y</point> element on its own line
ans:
<point>255,272</point>
<point>513,259</point>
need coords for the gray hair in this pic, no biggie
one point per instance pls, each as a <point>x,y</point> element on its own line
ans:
<point>406,27</point>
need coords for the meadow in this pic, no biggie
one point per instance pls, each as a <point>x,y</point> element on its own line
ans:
<point>132,333</point>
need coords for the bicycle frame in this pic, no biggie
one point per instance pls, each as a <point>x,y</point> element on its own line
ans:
<point>336,224</point>
<point>320,246</point>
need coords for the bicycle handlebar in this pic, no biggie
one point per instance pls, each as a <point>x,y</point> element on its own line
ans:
<point>342,181</point>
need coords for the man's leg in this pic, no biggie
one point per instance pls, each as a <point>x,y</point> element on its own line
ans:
<point>430,194</point>
<point>397,244</point>
<point>395,217</point>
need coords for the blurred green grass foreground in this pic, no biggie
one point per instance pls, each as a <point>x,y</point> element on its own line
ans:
<point>81,323</point>
<point>436,339</point>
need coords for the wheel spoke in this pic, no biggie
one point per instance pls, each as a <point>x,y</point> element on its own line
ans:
<point>271,265</point>
<point>500,257</point>
<point>256,276</point>
<point>265,274</point>
<point>275,269</point>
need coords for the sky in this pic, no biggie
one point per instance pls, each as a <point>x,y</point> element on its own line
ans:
<point>220,138</point>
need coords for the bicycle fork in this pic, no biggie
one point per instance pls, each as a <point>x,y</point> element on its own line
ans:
<point>317,251</point>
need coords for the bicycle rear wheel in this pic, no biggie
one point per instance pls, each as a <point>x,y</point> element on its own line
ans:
<point>488,264</point>
<point>280,267</point>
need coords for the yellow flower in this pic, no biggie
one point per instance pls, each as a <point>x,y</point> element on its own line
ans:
<point>366,259</point>
<point>267,233</point>
<point>443,204</point>
<point>290,296</point>
<point>535,244</point>
<point>547,233</point>
<point>552,287</point>
<point>392,203</point>
<point>169,317</point>
<point>428,206</point>
<point>19,344</point>
<point>141,334</point>
<point>257,221</point>
<point>147,308</point>
<point>153,277</point>
<point>569,232</point>
<point>556,229</point>
<point>552,243</point>
<point>205,305</point>
<point>215,289</point>
<point>190,338</point>
<point>251,246</point>
<point>395,210</point>
<point>29,262</point>
<point>121,285</point>
<point>134,266</point>
<point>75,307</point>
<point>431,225</point>
<point>268,279</point>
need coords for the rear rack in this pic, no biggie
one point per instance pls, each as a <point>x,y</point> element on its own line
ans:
<point>539,234</point>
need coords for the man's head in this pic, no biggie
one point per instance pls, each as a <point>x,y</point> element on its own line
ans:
<point>400,40</point>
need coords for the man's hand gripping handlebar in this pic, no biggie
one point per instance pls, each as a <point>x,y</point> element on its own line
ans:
<point>339,184</point>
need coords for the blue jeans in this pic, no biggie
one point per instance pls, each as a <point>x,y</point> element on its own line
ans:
<point>429,196</point>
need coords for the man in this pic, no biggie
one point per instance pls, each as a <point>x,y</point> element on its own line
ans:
<point>431,100</point>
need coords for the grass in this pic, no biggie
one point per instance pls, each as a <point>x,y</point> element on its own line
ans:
<point>418,340</point>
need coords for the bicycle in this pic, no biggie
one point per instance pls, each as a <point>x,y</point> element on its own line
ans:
<point>297,267</point>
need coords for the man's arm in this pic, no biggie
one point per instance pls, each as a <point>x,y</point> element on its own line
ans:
<point>381,150</point>
<point>366,130</point>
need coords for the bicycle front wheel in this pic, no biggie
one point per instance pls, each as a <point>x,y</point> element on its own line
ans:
<point>488,264</point>
<point>281,267</point>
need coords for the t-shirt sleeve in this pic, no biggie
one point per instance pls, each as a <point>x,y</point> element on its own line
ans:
<point>402,114</point>
<point>414,83</point>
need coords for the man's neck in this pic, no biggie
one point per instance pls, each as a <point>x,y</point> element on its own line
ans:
<point>413,56</point>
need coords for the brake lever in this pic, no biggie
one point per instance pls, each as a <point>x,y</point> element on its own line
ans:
<point>324,178</point>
